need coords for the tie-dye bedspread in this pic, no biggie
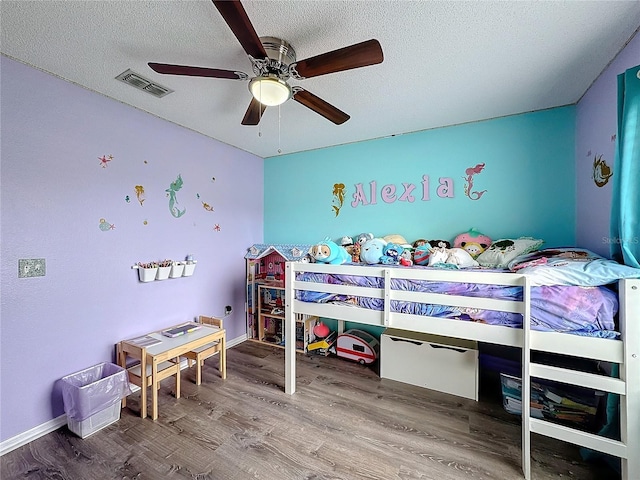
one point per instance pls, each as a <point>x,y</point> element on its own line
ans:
<point>587,311</point>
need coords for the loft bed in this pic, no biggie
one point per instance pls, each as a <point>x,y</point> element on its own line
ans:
<point>384,301</point>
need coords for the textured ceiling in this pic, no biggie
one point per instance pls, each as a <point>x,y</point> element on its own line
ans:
<point>445,62</point>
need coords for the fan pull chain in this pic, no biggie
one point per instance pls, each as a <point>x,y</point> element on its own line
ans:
<point>279,150</point>
<point>260,114</point>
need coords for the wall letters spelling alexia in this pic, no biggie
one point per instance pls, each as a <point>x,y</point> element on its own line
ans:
<point>389,193</point>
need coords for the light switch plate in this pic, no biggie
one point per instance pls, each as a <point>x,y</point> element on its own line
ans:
<point>31,267</point>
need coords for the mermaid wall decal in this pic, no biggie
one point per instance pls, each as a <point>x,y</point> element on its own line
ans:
<point>470,172</point>
<point>338,197</point>
<point>173,201</point>
<point>139,189</point>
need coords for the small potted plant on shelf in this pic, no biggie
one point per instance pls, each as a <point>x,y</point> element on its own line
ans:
<point>147,271</point>
<point>164,268</point>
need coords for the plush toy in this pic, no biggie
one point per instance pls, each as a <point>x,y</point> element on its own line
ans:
<point>346,241</point>
<point>423,248</point>
<point>391,254</point>
<point>457,257</point>
<point>308,258</point>
<point>352,248</point>
<point>406,257</point>
<point>363,238</point>
<point>355,253</point>
<point>371,251</point>
<point>440,243</point>
<point>329,252</point>
<point>473,242</point>
<point>421,254</point>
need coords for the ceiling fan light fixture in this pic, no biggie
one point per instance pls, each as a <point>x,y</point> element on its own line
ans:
<point>270,90</point>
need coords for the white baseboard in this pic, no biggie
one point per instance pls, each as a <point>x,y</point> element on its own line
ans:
<point>236,341</point>
<point>33,434</point>
<point>54,424</point>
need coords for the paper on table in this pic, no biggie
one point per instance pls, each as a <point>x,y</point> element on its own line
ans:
<point>145,341</point>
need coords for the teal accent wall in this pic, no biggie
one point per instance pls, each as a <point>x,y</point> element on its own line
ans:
<point>528,181</point>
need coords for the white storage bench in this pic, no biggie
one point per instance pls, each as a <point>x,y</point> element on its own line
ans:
<point>444,364</point>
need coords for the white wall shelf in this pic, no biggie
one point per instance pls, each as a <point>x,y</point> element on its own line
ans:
<point>149,272</point>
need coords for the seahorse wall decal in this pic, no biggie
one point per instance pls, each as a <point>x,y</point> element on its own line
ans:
<point>338,197</point>
<point>171,193</point>
<point>470,172</point>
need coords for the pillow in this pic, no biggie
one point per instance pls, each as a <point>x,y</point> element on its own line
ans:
<point>571,266</point>
<point>502,251</point>
<point>552,256</point>
<point>397,239</point>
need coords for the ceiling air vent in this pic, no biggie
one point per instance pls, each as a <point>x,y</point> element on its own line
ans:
<point>136,80</point>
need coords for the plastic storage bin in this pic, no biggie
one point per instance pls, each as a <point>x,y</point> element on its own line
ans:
<point>92,397</point>
<point>573,406</point>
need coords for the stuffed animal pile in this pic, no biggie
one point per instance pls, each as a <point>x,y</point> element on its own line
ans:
<point>393,249</point>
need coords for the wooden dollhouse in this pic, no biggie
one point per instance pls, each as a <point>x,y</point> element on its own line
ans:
<point>265,293</point>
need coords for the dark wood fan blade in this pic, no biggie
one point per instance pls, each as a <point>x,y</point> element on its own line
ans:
<point>234,14</point>
<point>318,105</point>
<point>354,56</point>
<point>254,113</point>
<point>196,71</point>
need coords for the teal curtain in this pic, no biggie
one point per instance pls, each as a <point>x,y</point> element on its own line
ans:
<point>625,205</point>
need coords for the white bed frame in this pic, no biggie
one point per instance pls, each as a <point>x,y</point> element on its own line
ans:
<point>626,353</point>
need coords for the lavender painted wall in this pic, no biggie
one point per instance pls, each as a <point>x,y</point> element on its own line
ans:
<point>54,194</point>
<point>596,124</point>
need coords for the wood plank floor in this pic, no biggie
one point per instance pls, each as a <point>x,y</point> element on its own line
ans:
<point>343,423</point>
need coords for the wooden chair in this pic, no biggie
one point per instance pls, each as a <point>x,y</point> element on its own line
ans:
<point>199,355</point>
<point>165,370</point>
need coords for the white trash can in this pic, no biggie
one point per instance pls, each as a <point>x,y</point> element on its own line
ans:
<point>92,397</point>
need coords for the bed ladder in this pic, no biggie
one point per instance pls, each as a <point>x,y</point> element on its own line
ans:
<point>627,386</point>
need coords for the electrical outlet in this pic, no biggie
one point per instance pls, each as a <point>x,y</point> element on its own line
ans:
<point>31,267</point>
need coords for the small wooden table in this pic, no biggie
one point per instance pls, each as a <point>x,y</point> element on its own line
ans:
<point>167,349</point>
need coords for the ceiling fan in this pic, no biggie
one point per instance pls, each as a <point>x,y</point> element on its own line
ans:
<point>274,62</point>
